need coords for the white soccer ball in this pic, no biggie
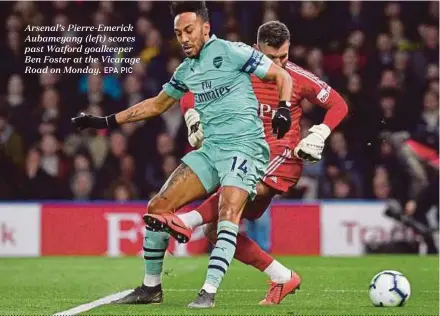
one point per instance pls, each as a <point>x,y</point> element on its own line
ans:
<point>389,288</point>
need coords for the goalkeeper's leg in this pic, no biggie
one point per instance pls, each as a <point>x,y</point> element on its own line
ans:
<point>248,252</point>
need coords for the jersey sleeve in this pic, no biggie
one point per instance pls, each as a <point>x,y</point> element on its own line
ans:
<point>314,89</point>
<point>248,60</point>
<point>318,92</point>
<point>187,102</point>
<point>176,87</point>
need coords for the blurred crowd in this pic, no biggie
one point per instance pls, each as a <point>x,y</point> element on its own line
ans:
<point>382,58</point>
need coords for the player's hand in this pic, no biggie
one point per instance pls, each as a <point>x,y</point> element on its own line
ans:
<point>281,121</point>
<point>195,129</point>
<point>310,147</point>
<point>84,121</point>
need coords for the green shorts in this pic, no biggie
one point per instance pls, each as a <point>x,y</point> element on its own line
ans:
<point>238,165</point>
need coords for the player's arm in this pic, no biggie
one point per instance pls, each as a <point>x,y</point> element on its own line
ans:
<point>146,109</point>
<point>318,92</point>
<point>281,121</point>
<point>254,62</point>
<point>143,110</point>
<point>282,79</point>
<point>172,92</point>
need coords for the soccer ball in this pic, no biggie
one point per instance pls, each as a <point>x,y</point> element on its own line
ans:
<point>389,288</point>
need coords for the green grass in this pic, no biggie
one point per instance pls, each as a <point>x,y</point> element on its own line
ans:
<point>331,286</point>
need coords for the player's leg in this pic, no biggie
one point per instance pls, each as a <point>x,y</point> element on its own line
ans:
<point>249,252</point>
<point>182,187</point>
<point>161,215</point>
<point>192,180</point>
<point>284,172</point>
<point>239,171</point>
<point>208,211</point>
<point>187,183</point>
<point>232,202</point>
<point>278,180</point>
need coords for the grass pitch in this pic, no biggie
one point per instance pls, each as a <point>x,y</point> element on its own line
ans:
<point>331,286</point>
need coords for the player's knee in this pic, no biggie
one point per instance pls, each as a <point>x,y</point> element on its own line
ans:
<point>229,213</point>
<point>232,202</point>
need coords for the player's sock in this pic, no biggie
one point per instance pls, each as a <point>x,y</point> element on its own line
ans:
<point>221,256</point>
<point>278,273</point>
<point>191,219</point>
<point>250,253</point>
<point>152,280</point>
<point>155,245</point>
<point>209,209</point>
<point>207,212</point>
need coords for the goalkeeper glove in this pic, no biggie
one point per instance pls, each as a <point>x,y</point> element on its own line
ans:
<point>195,129</point>
<point>310,147</point>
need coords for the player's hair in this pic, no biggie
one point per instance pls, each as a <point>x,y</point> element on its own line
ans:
<point>198,7</point>
<point>273,33</point>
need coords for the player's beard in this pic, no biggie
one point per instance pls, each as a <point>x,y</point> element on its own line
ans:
<point>199,45</point>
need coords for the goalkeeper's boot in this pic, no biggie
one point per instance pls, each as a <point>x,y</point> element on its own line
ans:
<point>203,300</point>
<point>143,295</point>
<point>169,223</point>
<point>278,291</point>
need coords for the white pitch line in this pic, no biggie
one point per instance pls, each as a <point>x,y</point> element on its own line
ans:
<point>108,299</point>
<point>88,306</point>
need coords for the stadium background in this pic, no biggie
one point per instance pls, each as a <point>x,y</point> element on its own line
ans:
<point>382,57</point>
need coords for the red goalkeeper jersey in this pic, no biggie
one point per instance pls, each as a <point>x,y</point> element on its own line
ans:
<point>305,86</point>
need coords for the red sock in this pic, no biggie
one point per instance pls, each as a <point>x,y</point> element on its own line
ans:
<point>250,253</point>
<point>209,208</point>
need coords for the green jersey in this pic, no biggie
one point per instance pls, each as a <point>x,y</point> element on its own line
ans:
<point>224,97</point>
